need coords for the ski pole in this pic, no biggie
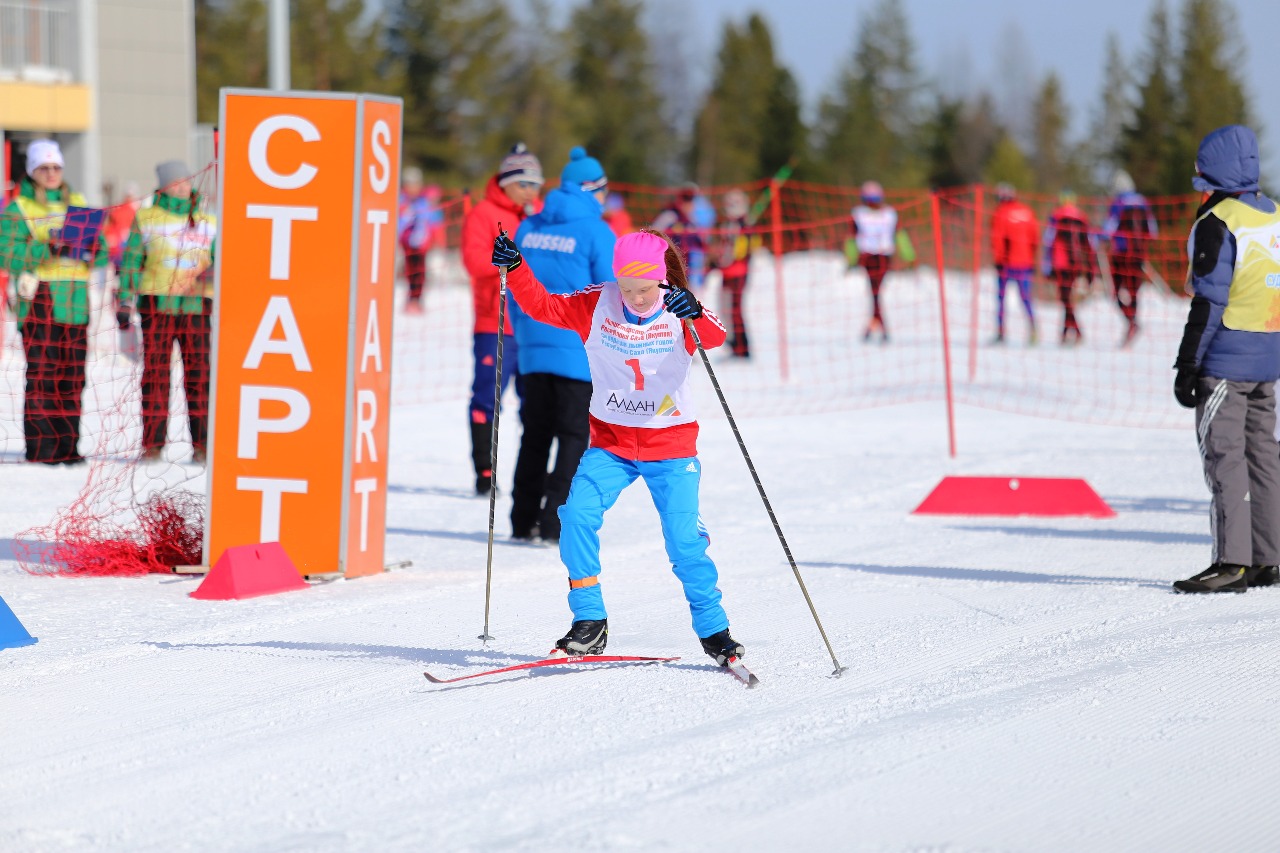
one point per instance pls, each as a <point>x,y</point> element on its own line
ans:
<point>777,528</point>
<point>493,445</point>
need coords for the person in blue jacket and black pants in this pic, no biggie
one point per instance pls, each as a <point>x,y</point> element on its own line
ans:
<point>569,247</point>
<point>1229,361</point>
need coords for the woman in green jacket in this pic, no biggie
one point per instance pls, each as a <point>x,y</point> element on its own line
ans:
<point>52,283</point>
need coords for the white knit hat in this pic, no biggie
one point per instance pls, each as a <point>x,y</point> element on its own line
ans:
<point>42,152</point>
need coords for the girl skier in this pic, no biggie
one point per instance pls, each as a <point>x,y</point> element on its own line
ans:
<point>640,350</point>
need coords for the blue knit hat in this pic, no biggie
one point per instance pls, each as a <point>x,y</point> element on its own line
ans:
<point>583,170</point>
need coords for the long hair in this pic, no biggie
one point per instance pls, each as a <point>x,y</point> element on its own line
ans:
<point>677,274</point>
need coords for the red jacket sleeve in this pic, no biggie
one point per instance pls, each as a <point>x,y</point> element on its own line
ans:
<point>571,311</point>
<point>710,331</point>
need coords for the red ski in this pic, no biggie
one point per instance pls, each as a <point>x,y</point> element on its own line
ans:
<point>738,670</point>
<point>555,661</point>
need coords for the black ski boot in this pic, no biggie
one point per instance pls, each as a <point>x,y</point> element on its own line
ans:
<point>1220,577</point>
<point>1263,576</point>
<point>587,637</point>
<point>722,647</point>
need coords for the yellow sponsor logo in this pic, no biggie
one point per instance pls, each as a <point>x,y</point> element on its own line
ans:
<point>667,408</point>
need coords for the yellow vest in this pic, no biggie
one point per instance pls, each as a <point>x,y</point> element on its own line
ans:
<point>178,249</point>
<point>41,219</point>
<point>1253,303</point>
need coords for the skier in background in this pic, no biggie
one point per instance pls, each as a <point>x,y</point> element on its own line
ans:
<point>1129,230</point>
<point>875,237</point>
<point>510,196</point>
<point>567,246</point>
<point>734,263</point>
<point>1015,238</point>
<point>1229,361</point>
<point>416,222</point>
<point>679,221</point>
<point>642,425</point>
<point>1068,255</point>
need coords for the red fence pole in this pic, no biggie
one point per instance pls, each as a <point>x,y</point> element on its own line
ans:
<point>942,312</point>
<point>775,210</point>
<point>975,285</point>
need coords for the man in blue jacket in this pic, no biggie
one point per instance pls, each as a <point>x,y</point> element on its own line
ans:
<point>568,246</point>
<point>1229,361</point>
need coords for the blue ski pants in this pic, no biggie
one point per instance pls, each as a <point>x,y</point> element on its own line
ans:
<point>485,349</point>
<point>673,483</point>
<point>1021,277</point>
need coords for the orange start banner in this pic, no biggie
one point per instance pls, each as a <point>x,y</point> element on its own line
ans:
<point>308,198</point>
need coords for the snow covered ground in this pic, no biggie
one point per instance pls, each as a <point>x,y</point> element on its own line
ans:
<point>1013,684</point>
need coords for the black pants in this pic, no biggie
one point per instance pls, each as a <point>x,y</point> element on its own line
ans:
<point>553,408</point>
<point>159,332</point>
<point>735,285</point>
<point>415,270</point>
<point>55,354</point>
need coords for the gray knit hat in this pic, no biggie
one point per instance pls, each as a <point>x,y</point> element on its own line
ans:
<point>170,172</point>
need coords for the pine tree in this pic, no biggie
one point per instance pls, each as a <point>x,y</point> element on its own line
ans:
<point>231,39</point>
<point>620,121</point>
<point>868,125</point>
<point>1107,132</point>
<point>1148,139</point>
<point>1009,165</point>
<point>544,113</point>
<point>1209,82</point>
<point>451,54</point>
<point>1050,118</point>
<point>333,49</point>
<point>751,115</point>
<point>785,135</point>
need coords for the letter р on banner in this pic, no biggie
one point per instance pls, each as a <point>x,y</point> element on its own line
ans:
<point>292,422</point>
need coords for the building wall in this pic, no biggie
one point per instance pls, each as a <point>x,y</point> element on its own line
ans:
<point>146,104</point>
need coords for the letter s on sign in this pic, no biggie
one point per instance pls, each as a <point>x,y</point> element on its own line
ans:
<point>261,138</point>
<point>380,138</point>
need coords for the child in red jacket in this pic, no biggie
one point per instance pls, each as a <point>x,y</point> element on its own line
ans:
<point>1015,237</point>
<point>640,350</point>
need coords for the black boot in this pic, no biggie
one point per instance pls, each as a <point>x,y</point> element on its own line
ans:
<point>481,453</point>
<point>722,647</point>
<point>586,637</point>
<point>1262,576</point>
<point>1220,577</point>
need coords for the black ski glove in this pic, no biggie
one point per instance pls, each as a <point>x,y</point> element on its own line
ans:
<point>1186,385</point>
<point>682,303</point>
<point>505,253</point>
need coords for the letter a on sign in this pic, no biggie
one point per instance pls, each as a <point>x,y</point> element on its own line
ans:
<point>302,314</point>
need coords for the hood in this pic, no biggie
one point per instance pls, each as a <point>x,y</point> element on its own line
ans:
<point>569,202</point>
<point>1227,161</point>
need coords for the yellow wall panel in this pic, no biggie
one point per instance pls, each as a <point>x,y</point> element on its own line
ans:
<point>40,107</point>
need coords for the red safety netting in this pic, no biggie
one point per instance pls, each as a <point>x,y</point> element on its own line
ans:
<point>118,384</point>
<point>805,307</point>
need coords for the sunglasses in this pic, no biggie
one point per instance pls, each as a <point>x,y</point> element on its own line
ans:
<point>527,185</point>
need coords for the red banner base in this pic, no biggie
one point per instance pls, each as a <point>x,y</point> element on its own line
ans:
<point>1038,496</point>
<point>246,571</point>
